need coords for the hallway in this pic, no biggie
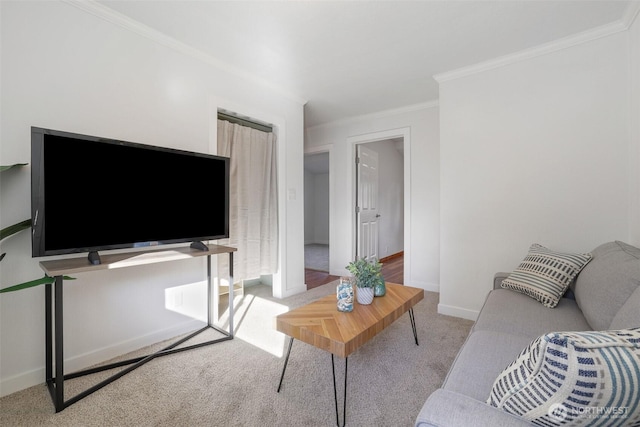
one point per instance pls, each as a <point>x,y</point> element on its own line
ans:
<point>392,270</point>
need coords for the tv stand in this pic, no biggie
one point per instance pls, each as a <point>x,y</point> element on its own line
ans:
<point>54,341</point>
<point>94,258</point>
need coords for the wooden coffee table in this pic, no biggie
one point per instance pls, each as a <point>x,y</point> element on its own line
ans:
<point>322,325</point>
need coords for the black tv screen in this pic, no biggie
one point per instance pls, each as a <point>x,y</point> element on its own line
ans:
<point>90,194</point>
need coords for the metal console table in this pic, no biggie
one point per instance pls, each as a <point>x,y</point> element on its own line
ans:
<point>54,341</point>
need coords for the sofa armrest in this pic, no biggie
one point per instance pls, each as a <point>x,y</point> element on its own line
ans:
<point>498,278</point>
<point>448,408</point>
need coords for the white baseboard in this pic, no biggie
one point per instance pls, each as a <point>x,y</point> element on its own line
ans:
<point>294,291</point>
<point>37,376</point>
<point>464,313</point>
<point>430,287</point>
<point>21,381</point>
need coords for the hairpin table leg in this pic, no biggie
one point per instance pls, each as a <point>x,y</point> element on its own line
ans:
<point>335,393</point>
<point>286,360</point>
<point>413,325</point>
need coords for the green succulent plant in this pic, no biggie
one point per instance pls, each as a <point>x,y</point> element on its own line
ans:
<point>368,274</point>
<point>15,228</point>
<point>10,231</point>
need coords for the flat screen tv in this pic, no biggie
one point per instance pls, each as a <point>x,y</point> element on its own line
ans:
<point>90,194</point>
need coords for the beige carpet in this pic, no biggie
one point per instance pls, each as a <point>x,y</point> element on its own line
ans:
<point>316,257</point>
<point>234,382</point>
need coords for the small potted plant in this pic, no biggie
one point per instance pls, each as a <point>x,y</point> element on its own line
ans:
<point>368,276</point>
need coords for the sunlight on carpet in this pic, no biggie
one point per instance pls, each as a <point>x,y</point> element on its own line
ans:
<point>254,320</point>
<point>259,328</point>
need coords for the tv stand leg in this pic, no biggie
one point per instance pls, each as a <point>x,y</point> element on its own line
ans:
<point>199,246</point>
<point>59,344</point>
<point>231,294</point>
<point>94,258</point>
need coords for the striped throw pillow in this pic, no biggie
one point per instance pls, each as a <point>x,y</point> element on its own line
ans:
<point>574,378</point>
<point>545,275</point>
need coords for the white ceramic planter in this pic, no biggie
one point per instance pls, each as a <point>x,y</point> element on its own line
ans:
<point>364,295</point>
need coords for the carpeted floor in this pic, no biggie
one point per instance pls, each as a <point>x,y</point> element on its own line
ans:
<point>316,257</point>
<point>234,383</point>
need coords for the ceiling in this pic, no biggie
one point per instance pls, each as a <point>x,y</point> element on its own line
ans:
<point>350,58</point>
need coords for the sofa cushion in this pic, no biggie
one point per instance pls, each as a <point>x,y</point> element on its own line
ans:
<point>629,314</point>
<point>563,377</point>
<point>482,357</point>
<point>545,275</point>
<point>607,282</point>
<point>447,408</point>
<point>517,314</point>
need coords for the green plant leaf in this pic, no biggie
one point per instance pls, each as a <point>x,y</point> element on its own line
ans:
<point>7,167</point>
<point>13,229</point>
<point>367,273</point>
<point>37,282</point>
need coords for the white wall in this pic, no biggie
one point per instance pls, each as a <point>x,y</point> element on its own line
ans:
<point>535,151</point>
<point>309,201</point>
<point>321,208</point>
<point>316,212</point>
<point>422,175</point>
<point>67,69</point>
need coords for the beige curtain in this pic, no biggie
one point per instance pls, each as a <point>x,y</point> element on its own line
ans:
<point>253,199</point>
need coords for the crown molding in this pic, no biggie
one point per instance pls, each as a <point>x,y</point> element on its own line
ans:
<point>546,48</point>
<point>96,9</point>
<point>631,13</point>
<point>379,114</point>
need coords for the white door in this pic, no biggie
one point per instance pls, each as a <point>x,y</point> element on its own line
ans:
<point>367,203</point>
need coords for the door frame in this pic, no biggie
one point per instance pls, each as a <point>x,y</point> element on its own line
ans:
<point>353,141</point>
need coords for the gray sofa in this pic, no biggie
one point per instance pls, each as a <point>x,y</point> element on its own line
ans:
<point>604,296</point>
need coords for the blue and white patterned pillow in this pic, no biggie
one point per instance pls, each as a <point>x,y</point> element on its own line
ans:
<point>545,275</point>
<point>574,378</point>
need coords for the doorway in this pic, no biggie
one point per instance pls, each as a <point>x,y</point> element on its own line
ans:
<point>400,140</point>
<point>316,219</point>
<point>380,199</point>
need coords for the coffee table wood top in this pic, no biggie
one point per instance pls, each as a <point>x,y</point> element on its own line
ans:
<point>322,325</point>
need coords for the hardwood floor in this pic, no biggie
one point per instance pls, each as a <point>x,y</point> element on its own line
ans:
<point>392,270</point>
<point>315,278</point>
